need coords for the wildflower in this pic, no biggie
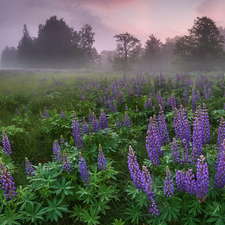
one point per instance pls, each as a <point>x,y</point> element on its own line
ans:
<point>145,105</point>
<point>134,168</point>
<point>193,100</point>
<point>62,114</point>
<point>190,184</point>
<point>180,181</point>
<point>46,114</point>
<point>103,120</point>
<point>205,125</point>
<point>62,142</point>
<point>56,150</point>
<point>118,124</point>
<point>137,110</point>
<point>76,134</point>
<point>184,159</point>
<point>197,135</point>
<point>7,182</point>
<point>168,184</point>
<point>95,124</point>
<point>202,179</point>
<point>6,143</point>
<point>29,168</point>
<point>186,97</point>
<point>153,208</point>
<point>41,115</point>
<point>126,108</point>
<point>83,170</point>
<point>221,132</point>
<point>85,127</point>
<point>17,111</point>
<point>66,163</point>
<point>102,165</point>
<point>126,122</point>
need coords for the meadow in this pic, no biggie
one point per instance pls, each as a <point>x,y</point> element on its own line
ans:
<point>85,147</point>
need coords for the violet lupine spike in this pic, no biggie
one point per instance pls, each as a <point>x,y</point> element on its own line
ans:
<point>180,181</point>
<point>202,179</point>
<point>126,108</point>
<point>62,142</point>
<point>175,151</point>
<point>7,182</point>
<point>118,124</point>
<point>145,105</point>
<point>197,136</point>
<point>29,168</point>
<point>153,208</point>
<point>85,127</point>
<point>162,127</point>
<point>221,132</point>
<point>173,101</point>
<point>77,134</point>
<point>114,107</point>
<point>56,150</point>
<point>205,125</point>
<point>176,123</point>
<point>194,155</point>
<point>186,97</point>
<point>184,159</point>
<point>62,114</point>
<point>46,113</point>
<point>41,115</point>
<point>66,163</point>
<point>168,184</point>
<point>220,174</point>
<point>95,124</point>
<point>91,116</point>
<point>190,184</point>
<point>103,120</point>
<point>137,110</point>
<point>17,111</point>
<point>133,166</point>
<point>102,164</point>
<point>193,100</point>
<point>6,144</point>
<point>198,96</point>
<point>83,170</point>
<point>126,121</point>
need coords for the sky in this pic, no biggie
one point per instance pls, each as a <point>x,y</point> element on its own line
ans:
<point>141,18</point>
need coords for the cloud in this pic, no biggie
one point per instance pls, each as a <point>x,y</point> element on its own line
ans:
<point>208,7</point>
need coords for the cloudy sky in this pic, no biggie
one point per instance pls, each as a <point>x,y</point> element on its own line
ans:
<point>163,18</point>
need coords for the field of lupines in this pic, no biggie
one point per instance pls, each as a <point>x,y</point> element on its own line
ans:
<point>95,148</point>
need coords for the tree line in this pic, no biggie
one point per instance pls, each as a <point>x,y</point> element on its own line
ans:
<point>59,46</point>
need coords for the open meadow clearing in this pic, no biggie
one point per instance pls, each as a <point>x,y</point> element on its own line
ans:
<point>82,147</point>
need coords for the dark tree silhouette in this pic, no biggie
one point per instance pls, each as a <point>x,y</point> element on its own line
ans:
<point>9,57</point>
<point>202,48</point>
<point>127,50</point>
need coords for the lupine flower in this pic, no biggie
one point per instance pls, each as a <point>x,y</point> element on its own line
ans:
<point>137,110</point>
<point>153,208</point>
<point>29,168</point>
<point>126,121</point>
<point>173,101</point>
<point>17,111</point>
<point>66,163</point>
<point>175,151</point>
<point>221,132</point>
<point>91,116</point>
<point>62,142</point>
<point>62,114</point>
<point>205,125</point>
<point>197,136</point>
<point>102,165</point>
<point>95,124</point>
<point>145,105</point>
<point>193,100</point>
<point>41,115</point>
<point>7,182</point>
<point>46,114</point>
<point>150,103</point>
<point>202,179</point>
<point>6,143</point>
<point>184,159</point>
<point>76,134</point>
<point>118,124</point>
<point>168,184</point>
<point>114,107</point>
<point>220,175</point>
<point>186,97</point>
<point>85,127</point>
<point>56,150</point>
<point>190,184</point>
<point>83,170</point>
<point>126,108</point>
<point>103,120</point>
<point>198,96</point>
<point>180,181</point>
<point>133,166</point>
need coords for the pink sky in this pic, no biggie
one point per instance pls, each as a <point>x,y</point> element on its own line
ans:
<point>141,18</point>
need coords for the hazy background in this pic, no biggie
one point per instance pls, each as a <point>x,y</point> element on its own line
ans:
<point>141,18</point>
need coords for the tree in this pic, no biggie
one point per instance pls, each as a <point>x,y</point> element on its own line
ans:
<point>25,48</point>
<point>9,57</point>
<point>202,48</point>
<point>127,51</point>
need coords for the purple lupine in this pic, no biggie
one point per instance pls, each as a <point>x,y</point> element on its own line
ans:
<point>126,121</point>
<point>83,170</point>
<point>168,184</point>
<point>137,110</point>
<point>153,208</point>
<point>175,151</point>
<point>152,143</point>
<point>190,184</point>
<point>197,136</point>
<point>150,103</point>
<point>162,127</point>
<point>7,182</point>
<point>202,179</point>
<point>41,115</point>
<point>35,94</point>
<point>77,134</point>
<point>17,111</point>
<point>114,109</point>
<point>221,132</point>
<point>91,116</point>
<point>198,96</point>
<point>95,124</point>
<point>85,127</point>
<point>100,100</point>
<point>62,142</point>
<point>102,164</point>
<point>118,124</point>
<point>126,108</point>
<point>173,101</point>
<point>29,168</point>
<point>176,123</point>
<point>193,100</point>
<point>66,163</point>
<point>46,113</point>
<point>56,150</point>
<point>186,97</point>
<point>220,174</point>
<point>180,181</point>
<point>103,120</point>
<point>133,166</point>
<point>62,114</point>
<point>145,105</point>
<point>184,159</point>
<point>6,143</point>
<point>209,93</point>
<point>205,125</point>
